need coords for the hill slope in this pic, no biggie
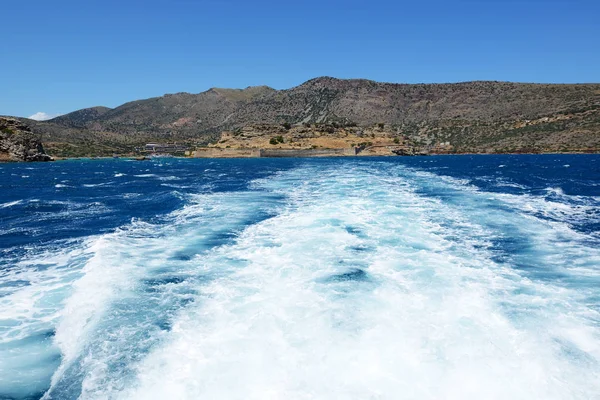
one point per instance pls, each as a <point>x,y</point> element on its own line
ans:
<point>472,116</point>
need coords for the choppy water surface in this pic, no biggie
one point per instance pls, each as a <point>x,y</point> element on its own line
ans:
<point>471,277</point>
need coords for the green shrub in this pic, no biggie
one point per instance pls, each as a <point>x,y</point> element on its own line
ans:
<point>273,141</point>
<point>287,126</point>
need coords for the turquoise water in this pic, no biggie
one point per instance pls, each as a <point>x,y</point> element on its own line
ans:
<point>384,278</point>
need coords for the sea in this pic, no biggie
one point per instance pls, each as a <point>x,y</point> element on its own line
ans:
<point>440,277</point>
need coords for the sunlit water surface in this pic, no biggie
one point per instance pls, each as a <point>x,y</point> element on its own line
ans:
<point>467,277</point>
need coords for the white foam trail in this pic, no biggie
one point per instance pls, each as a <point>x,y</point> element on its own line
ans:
<point>97,184</point>
<point>424,319</point>
<point>564,208</point>
<point>32,294</point>
<point>104,278</point>
<point>11,203</point>
<point>556,190</point>
<point>369,281</point>
<point>169,178</point>
<point>119,264</point>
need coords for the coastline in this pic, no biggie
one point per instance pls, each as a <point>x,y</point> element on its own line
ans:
<point>325,154</point>
<point>330,156</point>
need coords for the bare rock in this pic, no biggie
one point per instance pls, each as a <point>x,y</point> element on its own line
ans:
<point>19,143</point>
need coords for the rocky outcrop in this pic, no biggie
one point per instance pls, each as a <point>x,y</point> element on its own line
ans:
<point>19,143</point>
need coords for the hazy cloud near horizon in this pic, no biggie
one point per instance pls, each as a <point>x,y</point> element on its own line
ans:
<point>42,116</point>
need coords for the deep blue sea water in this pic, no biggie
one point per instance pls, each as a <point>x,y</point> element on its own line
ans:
<point>455,277</point>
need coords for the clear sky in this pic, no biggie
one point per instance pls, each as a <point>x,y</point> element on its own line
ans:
<point>63,55</point>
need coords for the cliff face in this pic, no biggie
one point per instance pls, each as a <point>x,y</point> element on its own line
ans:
<point>18,143</point>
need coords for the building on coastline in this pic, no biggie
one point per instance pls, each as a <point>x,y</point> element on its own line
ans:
<point>165,148</point>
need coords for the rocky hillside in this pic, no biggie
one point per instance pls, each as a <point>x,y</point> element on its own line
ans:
<point>472,116</point>
<point>18,143</point>
<point>81,117</point>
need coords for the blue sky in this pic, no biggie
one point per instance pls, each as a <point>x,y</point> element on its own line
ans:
<point>59,56</point>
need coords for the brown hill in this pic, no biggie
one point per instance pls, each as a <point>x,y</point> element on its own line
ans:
<point>472,116</point>
<point>81,117</point>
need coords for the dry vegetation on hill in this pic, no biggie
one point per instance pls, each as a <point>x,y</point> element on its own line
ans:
<point>472,116</point>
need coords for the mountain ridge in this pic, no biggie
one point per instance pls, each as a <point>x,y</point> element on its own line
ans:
<point>475,116</point>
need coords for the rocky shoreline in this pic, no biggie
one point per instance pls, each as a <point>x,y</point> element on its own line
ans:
<point>19,143</point>
<point>324,153</point>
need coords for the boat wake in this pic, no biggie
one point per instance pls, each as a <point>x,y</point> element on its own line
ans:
<point>321,281</point>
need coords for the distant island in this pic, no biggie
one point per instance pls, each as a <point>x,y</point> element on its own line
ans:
<point>329,116</point>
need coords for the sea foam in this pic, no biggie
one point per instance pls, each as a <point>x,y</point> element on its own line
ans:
<point>358,280</point>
